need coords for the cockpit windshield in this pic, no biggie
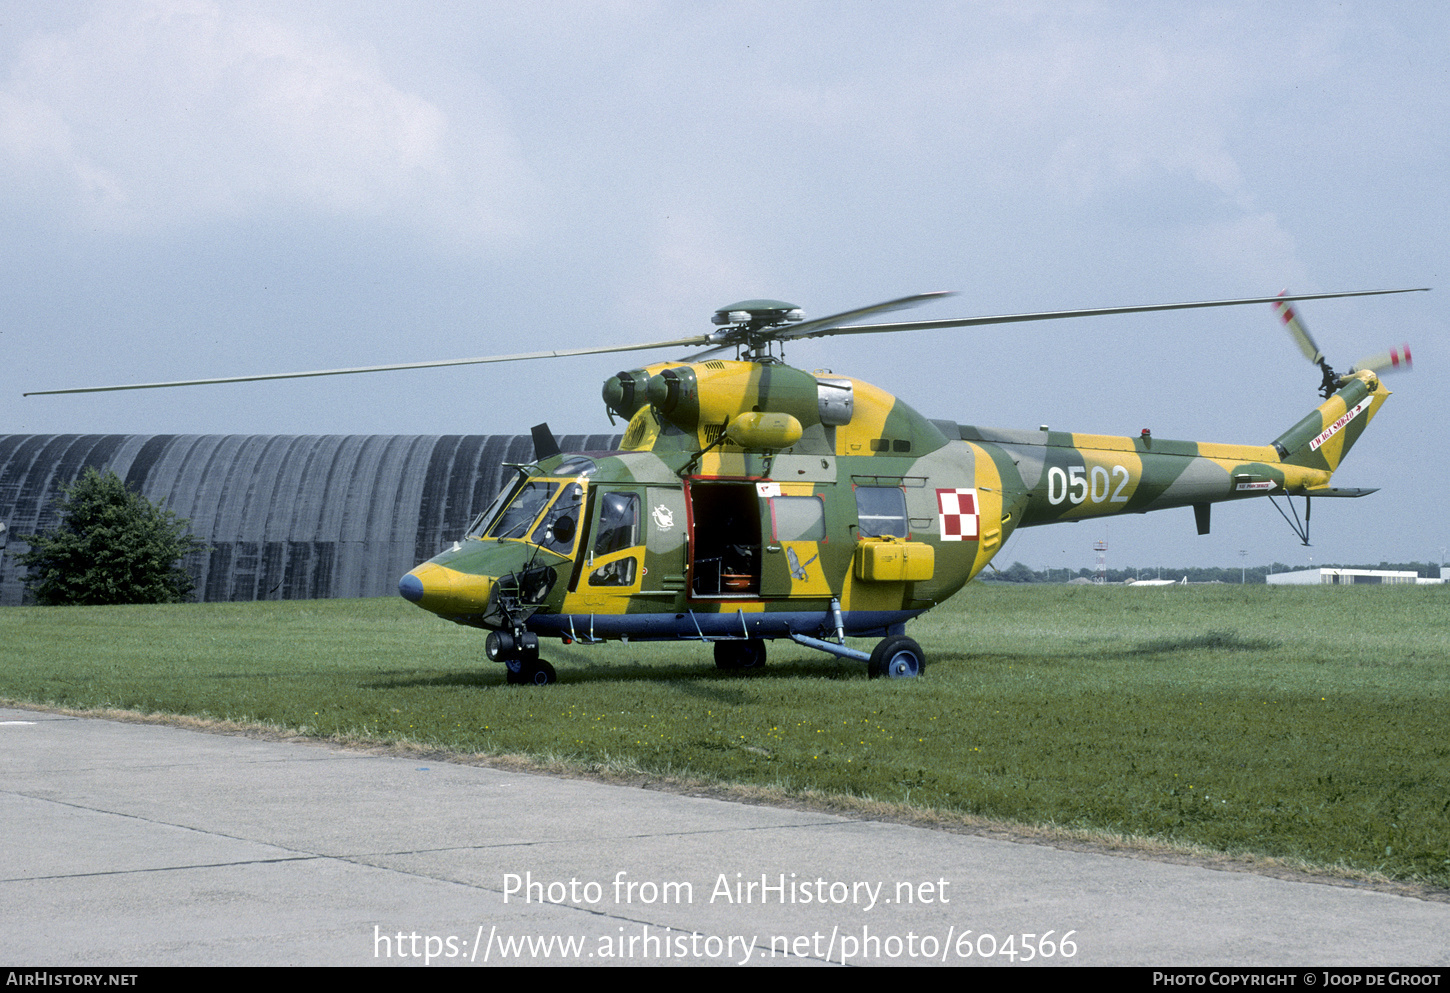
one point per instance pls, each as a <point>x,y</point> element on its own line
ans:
<point>481,523</point>
<point>514,512</point>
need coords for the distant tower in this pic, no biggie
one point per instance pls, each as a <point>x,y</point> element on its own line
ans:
<point>1101,547</point>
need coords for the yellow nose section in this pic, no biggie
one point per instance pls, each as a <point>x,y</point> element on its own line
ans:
<point>446,591</point>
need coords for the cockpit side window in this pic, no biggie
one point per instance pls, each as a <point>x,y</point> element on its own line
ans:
<point>616,529</point>
<point>553,532</point>
<point>618,523</point>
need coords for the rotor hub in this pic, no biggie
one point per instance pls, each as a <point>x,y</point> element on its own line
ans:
<point>752,324</point>
<point>757,314</point>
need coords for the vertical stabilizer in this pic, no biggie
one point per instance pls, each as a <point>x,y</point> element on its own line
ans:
<point>1325,436</point>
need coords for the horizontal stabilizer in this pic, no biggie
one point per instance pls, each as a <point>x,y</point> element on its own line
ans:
<point>1342,491</point>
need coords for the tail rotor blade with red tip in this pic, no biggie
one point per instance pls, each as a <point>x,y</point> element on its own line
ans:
<point>1298,331</point>
<point>1395,360</point>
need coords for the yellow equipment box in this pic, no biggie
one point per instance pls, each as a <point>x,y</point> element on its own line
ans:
<point>890,561</point>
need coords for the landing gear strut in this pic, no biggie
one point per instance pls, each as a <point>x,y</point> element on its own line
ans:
<point>895,657</point>
<point>519,652</point>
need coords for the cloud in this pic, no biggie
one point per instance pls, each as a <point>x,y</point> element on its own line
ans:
<point>693,262</point>
<point>1075,109</point>
<point>164,113</point>
<point>1247,250</point>
<point>1110,119</point>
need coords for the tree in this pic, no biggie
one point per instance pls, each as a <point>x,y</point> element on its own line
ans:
<point>1017,572</point>
<point>111,546</point>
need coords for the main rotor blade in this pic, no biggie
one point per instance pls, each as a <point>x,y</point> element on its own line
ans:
<point>709,352</point>
<point>1054,315</point>
<point>559,354</point>
<point>810,329</point>
<point>822,325</point>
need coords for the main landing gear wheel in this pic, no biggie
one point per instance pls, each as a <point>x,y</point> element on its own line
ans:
<point>897,657</point>
<point>740,654</point>
<point>530,672</point>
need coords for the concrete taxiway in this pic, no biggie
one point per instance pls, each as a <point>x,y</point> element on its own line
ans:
<point>135,844</point>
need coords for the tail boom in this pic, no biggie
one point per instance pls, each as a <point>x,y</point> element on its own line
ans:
<point>1051,476</point>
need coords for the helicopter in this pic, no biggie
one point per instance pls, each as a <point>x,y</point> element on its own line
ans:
<point>750,501</point>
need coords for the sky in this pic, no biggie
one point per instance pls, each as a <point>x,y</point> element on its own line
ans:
<point>192,189</point>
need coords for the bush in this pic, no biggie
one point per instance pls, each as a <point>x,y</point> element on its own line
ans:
<point>111,546</point>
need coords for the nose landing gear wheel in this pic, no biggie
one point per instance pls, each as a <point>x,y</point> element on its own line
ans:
<point>740,654</point>
<point>530,672</point>
<point>897,657</point>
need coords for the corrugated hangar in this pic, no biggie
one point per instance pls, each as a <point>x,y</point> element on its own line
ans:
<point>284,517</point>
<point>1329,576</point>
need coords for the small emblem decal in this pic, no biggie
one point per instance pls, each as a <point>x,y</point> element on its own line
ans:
<point>958,512</point>
<point>798,568</point>
<point>664,519</point>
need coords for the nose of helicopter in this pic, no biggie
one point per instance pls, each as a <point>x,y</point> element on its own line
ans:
<point>445,591</point>
<point>410,587</point>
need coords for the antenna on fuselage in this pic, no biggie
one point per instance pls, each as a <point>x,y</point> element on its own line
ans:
<point>545,445</point>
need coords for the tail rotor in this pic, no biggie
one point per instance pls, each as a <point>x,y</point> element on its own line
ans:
<point>1394,360</point>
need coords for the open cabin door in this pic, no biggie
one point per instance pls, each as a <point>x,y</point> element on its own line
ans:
<point>725,538</point>
<point>752,539</point>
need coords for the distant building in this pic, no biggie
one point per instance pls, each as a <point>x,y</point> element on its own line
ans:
<point>1342,577</point>
<point>283,518</point>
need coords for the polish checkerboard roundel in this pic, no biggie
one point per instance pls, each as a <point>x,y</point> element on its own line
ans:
<point>958,512</point>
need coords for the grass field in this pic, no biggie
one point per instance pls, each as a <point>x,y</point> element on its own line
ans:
<point>1302,723</point>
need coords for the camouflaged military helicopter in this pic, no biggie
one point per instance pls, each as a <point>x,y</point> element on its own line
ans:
<point>751,501</point>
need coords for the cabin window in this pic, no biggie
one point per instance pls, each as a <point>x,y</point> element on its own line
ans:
<point>881,511</point>
<point>798,518</point>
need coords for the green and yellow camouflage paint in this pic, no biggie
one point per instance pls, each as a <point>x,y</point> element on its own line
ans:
<point>751,500</point>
